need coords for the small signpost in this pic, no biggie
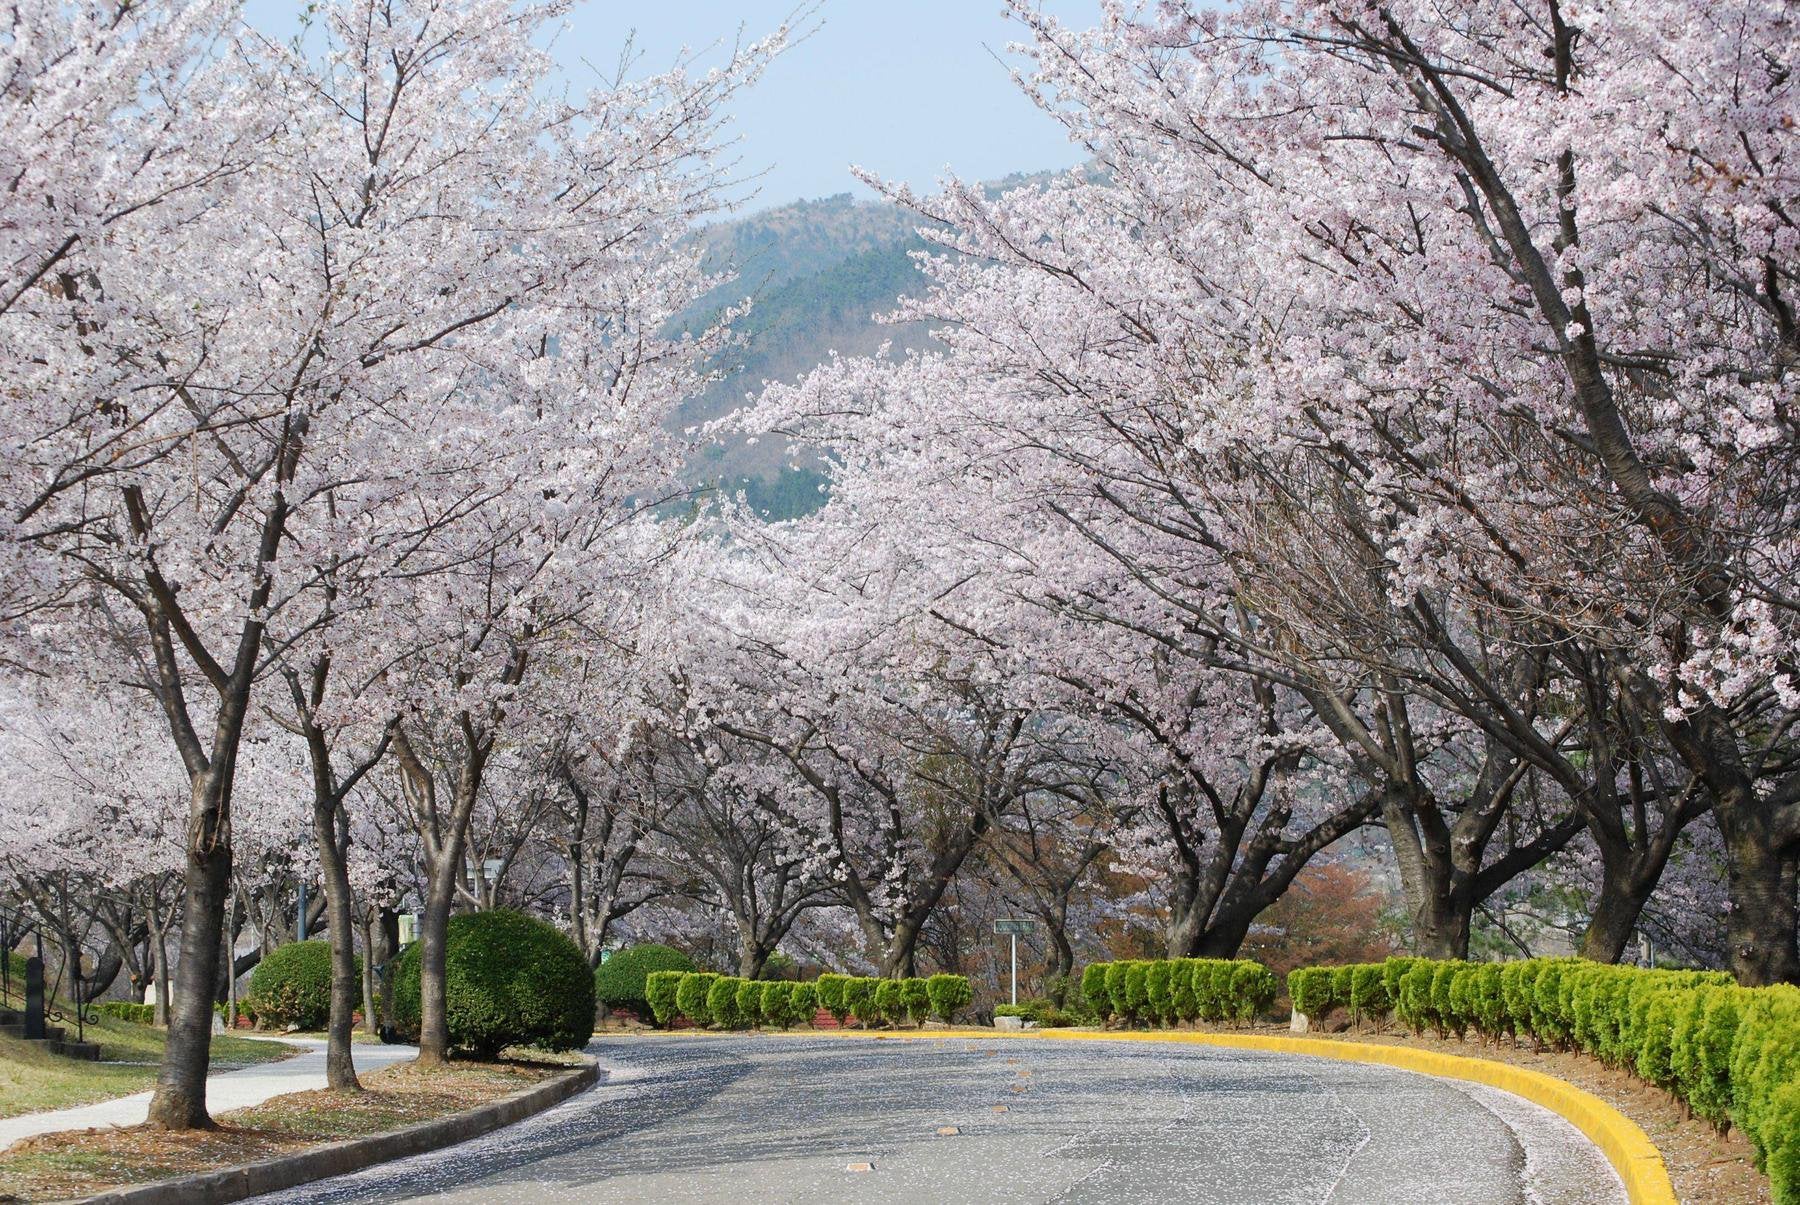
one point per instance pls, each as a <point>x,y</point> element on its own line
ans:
<point>1012,927</point>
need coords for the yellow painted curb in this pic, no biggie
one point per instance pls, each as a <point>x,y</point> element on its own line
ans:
<point>1625,1145</point>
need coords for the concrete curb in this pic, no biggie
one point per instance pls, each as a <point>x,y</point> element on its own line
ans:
<point>353,1154</point>
<point>1632,1155</point>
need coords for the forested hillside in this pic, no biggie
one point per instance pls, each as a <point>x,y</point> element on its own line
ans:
<point>819,273</point>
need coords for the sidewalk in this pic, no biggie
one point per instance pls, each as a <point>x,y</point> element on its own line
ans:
<point>225,1091</point>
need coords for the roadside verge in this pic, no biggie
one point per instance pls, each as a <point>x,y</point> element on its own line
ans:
<point>353,1155</point>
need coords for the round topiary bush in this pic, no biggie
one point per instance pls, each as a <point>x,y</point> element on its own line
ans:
<point>622,980</point>
<point>510,980</point>
<point>292,986</point>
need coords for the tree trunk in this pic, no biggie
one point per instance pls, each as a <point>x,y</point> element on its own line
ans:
<point>160,972</point>
<point>434,924</point>
<point>340,1070</point>
<point>1440,924</point>
<point>1616,910</point>
<point>180,1099</point>
<point>388,928</point>
<point>901,959</point>
<point>371,1019</point>
<point>1764,915</point>
<point>752,961</point>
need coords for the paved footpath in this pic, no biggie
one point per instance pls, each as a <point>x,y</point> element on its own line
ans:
<point>224,1091</point>
<point>840,1121</point>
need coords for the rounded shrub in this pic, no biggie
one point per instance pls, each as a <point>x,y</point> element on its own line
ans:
<point>510,980</point>
<point>691,993</point>
<point>292,986</point>
<point>1115,990</point>
<point>859,999</point>
<point>1443,1007</point>
<point>622,981</point>
<point>1093,989</point>
<point>1158,1004</point>
<point>749,1002</point>
<point>1253,989</point>
<point>1181,990</point>
<point>1487,999</point>
<point>1700,1049</point>
<point>1219,973</point>
<point>1413,1004</point>
<point>950,994</point>
<point>660,989</point>
<point>772,1002</point>
<point>1310,988</point>
<point>890,1001</point>
<point>1368,992</point>
<point>1765,1059</point>
<point>803,1003</point>
<point>830,989</point>
<point>1137,989</point>
<point>721,1002</point>
<point>915,998</point>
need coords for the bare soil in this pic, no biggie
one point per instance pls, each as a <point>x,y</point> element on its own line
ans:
<point>79,1163</point>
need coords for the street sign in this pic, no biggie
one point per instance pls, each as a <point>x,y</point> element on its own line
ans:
<point>1013,927</point>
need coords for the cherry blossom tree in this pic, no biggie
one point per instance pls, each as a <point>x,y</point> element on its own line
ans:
<point>1531,269</point>
<point>428,245</point>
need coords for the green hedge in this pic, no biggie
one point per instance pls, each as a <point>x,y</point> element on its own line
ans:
<point>691,989</point>
<point>732,1003</point>
<point>125,1010</point>
<point>659,991</point>
<point>1170,990</point>
<point>1730,1054</point>
<point>1042,1010</point>
<point>623,980</point>
<point>510,980</point>
<point>292,986</point>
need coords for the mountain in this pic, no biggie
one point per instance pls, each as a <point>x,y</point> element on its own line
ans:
<point>818,274</point>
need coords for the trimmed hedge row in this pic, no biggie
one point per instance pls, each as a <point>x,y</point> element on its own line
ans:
<point>1731,1054</point>
<point>1166,990</point>
<point>733,1003</point>
<point>125,1010</point>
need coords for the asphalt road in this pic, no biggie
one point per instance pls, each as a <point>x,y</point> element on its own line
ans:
<point>779,1118</point>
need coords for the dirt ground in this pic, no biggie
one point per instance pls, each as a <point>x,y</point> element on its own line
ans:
<point>78,1163</point>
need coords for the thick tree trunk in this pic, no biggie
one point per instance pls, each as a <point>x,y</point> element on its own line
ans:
<point>900,961</point>
<point>434,923</point>
<point>1440,924</point>
<point>340,1071</point>
<point>753,959</point>
<point>1616,909</point>
<point>1764,916</point>
<point>180,1099</point>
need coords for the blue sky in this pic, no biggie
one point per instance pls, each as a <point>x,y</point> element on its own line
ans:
<point>906,88</point>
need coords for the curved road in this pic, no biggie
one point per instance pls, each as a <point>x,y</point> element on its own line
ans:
<point>785,1119</point>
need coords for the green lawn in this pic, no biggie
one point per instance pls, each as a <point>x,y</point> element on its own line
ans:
<point>32,1080</point>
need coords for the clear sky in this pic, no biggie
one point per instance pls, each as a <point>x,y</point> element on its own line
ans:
<point>906,88</point>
